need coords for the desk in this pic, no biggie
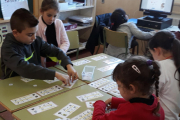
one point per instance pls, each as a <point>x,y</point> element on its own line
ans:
<point>61,100</point>
<point>21,88</point>
<point>97,74</point>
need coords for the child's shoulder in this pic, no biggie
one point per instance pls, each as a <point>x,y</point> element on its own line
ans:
<point>58,21</point>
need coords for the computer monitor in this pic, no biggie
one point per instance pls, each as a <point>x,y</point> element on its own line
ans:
<point>157,8</point>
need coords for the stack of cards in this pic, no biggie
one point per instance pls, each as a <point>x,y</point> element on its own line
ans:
<point>106,68</point>
<point>89,96</point>
<point>81,62</point>
<point>86,115</point>
<point>41,108</point>
<point>49,90</point>
<point>113,60</point>
<point>67,86</point>
<point>26,98</point>
<point>67,110</point>
<point>99,57</point>
<point>99,83</point>
<point>26,79</point>
<point>87,73</point>
<point>109,87</point>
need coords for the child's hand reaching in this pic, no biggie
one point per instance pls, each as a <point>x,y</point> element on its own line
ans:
<point>64,78</point>
<point>72,73</point>
<point>108,103</point>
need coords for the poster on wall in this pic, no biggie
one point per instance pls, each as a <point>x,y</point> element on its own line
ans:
<point>9,6</point>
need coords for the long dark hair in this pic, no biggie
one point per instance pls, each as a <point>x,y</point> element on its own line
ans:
<point>143,81</point>
<point>168,41</point>
<point>118,17</point>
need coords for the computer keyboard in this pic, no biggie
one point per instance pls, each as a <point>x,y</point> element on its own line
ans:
<point>145,29</point>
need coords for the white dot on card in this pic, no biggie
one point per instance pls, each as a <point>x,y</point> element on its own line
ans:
<point>10,84</point>
<point>34,85</point>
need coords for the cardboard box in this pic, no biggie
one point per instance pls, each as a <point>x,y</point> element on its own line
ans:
<point>63,5</point>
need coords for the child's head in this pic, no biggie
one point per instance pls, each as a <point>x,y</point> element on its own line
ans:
<point>49,11</point>
<point>24,26</point>
<point>136,76</point>
<point>118,17</point>
<point>165,45</point>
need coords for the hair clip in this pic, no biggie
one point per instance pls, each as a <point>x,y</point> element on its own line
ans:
<point>149,62</point>
<point>136,69</point>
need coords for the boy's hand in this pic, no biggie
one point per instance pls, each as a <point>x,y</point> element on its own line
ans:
<point>64,78</point>
<point>72,73</point>
<point>108,103</point>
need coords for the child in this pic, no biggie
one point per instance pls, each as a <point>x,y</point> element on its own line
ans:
<point>165,48</point>
<point>51,29</point>
<point>119,23</point>
<point>135,78</point>
<point>21,51</point>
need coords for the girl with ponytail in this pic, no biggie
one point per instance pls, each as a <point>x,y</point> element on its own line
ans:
<point>136,78</point>
<point>166,49</point>
<point>119,22</point>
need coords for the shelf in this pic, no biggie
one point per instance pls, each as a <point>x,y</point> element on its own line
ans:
<point>76,8</point>
<point>4,21</point>
<point>81,47</point>
<point>80,27</point>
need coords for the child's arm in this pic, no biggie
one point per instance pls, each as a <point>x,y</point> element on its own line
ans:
<point>123,113</point>
<point>58,55</point>
<point>140,34</point>
<point>64,41</point>
<point>16,62</point>
<point>114,102</point>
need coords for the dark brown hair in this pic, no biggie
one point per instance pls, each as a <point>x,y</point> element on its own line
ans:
<point>49,4</point>
<point>118,17</point>
<point>143,81</point>
<point>168,41</point>
<point>21,19</point>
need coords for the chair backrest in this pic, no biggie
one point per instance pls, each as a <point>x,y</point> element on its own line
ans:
<point>73,39</point>
<point>115,38</point>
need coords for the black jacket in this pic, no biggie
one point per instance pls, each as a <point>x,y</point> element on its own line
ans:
<point>102,21</point>
<point>25,60</point>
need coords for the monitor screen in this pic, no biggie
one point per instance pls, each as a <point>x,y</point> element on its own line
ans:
<point>162,6</point>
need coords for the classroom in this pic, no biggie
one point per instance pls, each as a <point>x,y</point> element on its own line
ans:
<point>90,60</point>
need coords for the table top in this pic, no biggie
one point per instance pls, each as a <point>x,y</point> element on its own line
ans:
<point>61,101</point>
<point>14,87</point>
<point>99,64</point>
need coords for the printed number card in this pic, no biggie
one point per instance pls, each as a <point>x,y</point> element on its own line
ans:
<point>50,90</point>
<point>108,87</point>
<point>26,79</point>
<point>86,115</point>
<point>99,57</point>
<point>9,6</point>
<point>67,110</point>
<point>89,96</point>
<point>41,108</point>
<point>51,81</point>
<point>99,83</point>
<point>113,60</point>
<point>26,98</point>
<point>81,62</point>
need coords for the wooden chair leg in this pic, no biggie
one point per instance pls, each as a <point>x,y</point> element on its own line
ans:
<point>137,49</point>
<point>133,50</point>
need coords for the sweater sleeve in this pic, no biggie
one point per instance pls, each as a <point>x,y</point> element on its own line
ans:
<point>116,101</point>
<point>54,53</point>
<point>122,113</point>
<point>140,34</point>
<point>15,61</point>
<point>64,41</point>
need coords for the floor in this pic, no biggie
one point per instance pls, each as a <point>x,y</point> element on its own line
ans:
<point>84,53</point>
